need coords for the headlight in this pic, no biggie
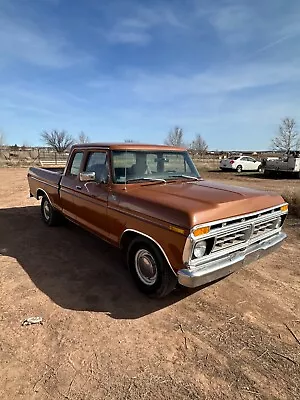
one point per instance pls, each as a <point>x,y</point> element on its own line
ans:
<point>199,249</point>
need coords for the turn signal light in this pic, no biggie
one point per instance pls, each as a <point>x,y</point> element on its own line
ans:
<point>201,231</point>
<point>284,208</point>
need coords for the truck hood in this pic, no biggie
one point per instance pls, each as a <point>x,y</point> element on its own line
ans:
<point>187,204</point>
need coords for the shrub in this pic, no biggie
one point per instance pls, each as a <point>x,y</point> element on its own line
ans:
<point>292,196</point>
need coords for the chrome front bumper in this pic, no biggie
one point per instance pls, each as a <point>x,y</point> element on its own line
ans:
<point>224,266</point>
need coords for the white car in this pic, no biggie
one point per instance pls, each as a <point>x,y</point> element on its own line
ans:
<point>240,163</point>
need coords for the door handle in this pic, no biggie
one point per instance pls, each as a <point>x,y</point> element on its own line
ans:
<point>78,187</point>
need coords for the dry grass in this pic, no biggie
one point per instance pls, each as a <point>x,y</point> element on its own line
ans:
<point>292,196</point>
<point>206,164</point>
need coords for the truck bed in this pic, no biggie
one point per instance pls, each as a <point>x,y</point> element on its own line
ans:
<point>51,175</point>
<point>45,180</point>
<point>291,165</point>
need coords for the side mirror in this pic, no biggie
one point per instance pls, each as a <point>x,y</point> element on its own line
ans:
<point>87,176</point>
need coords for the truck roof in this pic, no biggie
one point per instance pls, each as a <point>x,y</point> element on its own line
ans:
<point>128,146</point>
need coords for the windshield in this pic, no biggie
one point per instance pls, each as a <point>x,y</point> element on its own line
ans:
<point>130,166</point>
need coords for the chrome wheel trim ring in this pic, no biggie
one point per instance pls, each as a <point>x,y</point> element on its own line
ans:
<point>145,267</point>
<point>46,210</point>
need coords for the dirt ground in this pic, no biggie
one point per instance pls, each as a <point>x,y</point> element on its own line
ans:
<point>101,339</point>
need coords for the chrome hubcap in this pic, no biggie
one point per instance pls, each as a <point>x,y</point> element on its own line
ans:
<point>46,210</point>
<point>145,266</point>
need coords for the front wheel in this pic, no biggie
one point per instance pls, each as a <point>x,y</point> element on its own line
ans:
<point>149,269</point>
<point>50,216</point>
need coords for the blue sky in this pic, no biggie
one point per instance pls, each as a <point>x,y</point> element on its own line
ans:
<point>229,70</point>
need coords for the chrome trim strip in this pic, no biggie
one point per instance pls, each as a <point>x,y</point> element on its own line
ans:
<point>47,183</point>
<point>220,221</point>
<point>45,194</point>
<point>153,240</point>
<point>187,250</point>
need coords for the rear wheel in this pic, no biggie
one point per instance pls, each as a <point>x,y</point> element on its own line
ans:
<point>149,269</point>
<point>259,169</point>
<point>50,216</point>
<point>239,169</point>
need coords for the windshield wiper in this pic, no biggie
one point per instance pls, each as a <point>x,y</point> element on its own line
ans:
<point>145,179</point>
<point>185,176</point>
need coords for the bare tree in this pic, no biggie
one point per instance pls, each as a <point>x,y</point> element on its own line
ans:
<point>175,137</point>
<point>83,138</point>
<point>60,141</point>
<point>287,138</point>
<point>2,139</point>
<point>199,145</point>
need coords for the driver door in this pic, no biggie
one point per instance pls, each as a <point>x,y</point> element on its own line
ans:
<point>92,197</point>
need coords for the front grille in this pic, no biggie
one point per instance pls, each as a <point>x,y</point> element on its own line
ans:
<point>264,227</point>
<point>231,235</point>
<point>242,235</point>
<point>232,239</point>
<point>248,218</point>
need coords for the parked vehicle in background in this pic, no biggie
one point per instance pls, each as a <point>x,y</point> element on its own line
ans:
<point>240,163</point>
<point>288,164</point>
<point>150,201</point>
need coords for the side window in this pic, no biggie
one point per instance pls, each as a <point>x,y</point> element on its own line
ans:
<point>75,167</point>
<point>244,159</point>
<point>97,163</point>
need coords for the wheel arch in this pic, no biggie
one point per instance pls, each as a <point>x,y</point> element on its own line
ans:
<point>40,193</point>
<point>130,234</point>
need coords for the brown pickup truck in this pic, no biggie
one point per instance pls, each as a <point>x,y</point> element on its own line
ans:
<point>151,202</point>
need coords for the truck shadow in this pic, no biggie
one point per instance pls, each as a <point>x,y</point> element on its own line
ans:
<point>73,268</point>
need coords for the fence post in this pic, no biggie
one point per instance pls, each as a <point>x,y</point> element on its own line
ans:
<point>55,155</point>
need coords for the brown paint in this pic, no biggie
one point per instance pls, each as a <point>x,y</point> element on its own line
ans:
<point>150,208</point>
